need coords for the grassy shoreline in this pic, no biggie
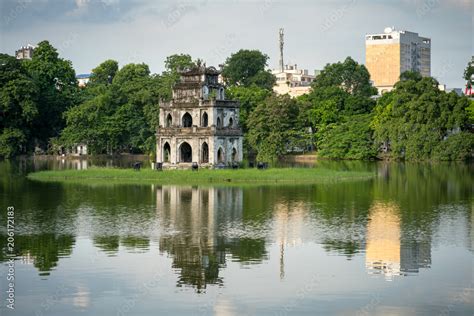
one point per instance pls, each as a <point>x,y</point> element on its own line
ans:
<point>224,176</point>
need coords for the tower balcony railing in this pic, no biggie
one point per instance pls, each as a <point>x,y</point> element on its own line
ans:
<point>197,130</point>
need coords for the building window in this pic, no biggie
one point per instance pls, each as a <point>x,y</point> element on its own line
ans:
<point>166,152</point>
<point>186,153</point>
<point>205,153</point>
<point>187,120</point>
<point>231,123</point>
<point>169,120</point>
<point>220,156</point>
<point>204,120</point>
<point>219,124</point>
<point>234,154</point>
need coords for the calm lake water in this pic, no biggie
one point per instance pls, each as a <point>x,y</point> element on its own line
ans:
<point>399,244</point>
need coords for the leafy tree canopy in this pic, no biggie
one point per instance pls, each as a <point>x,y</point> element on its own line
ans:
<point>416,118</point>
<point>469,72</point>
<point>271,126</point>
<point>348,75</point>
<point>104,73</point>
<point>18,107</point>
<point>246,68</point>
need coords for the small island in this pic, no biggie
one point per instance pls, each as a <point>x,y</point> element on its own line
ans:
<point>203,176</point>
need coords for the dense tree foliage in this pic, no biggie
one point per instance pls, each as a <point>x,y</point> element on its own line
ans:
<point>117,111</point>
<point>118,116</point>
<point>417,121</point>
<point>57,87</point>
<point>348,75</point>
<point>247,68</point>
<point>350,138</point>
<point>249,98</point>
<point>338,111</point>
<point>104,73</point>
<point>272,125</point>
<point>120,110</point>
<point>469,73</point>
<point>18,106</point>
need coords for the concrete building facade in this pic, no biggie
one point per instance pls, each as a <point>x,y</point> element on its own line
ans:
<point>292,80</point>
<point>393,52</point>
<point>25,52</point>
<point>199,125</point>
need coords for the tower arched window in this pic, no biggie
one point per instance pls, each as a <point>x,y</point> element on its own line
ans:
<point>169,120</point>
<point>187,120</point>
<point>205,120</point>
<point>166,152</point>
<point>186,153</point>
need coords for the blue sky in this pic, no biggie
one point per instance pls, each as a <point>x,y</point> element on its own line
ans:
<point>88,32</point>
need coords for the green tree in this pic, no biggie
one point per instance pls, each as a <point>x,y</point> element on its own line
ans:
<point>348,75</point>
<point>246,68</point>
<point>271,126</point>
<point>416,118</point>
<point>337,110</point>
<point>18,107</point>
<point>173,65</point>
<point>57,88</point>
<point>104,73</point>
<point>249,98</point>
<point>119,117</point>
<point>468,73</point>
<point>349,139</point>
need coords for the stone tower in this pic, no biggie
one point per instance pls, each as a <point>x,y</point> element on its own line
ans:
<point>199,125</point>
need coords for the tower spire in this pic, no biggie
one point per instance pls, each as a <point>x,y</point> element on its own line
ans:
<point>282,65</point>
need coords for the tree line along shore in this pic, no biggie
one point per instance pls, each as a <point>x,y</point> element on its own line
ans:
<point>43,110</point>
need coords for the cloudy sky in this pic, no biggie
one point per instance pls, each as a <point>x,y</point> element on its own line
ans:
<point>317,32</point>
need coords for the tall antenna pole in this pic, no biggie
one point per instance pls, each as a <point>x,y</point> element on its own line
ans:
<point>282,65</point>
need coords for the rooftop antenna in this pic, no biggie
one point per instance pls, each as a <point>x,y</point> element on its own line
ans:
<point>281,50</point>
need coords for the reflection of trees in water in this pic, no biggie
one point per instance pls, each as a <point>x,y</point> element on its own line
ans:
<point>44,249</point>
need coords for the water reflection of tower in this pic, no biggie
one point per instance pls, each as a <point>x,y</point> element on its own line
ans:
<point>191,217</point>
<point>390,250</point>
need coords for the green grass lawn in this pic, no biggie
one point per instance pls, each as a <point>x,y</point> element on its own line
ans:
<point>203,176</point>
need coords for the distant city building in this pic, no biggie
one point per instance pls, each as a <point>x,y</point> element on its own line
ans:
<point>290,79</point>
<point>25,52</point>
<point>393,52</point>
<point>83,79</point>
<point>199,125</point>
